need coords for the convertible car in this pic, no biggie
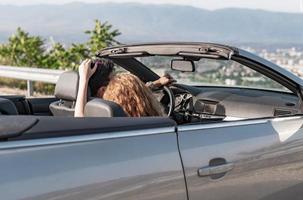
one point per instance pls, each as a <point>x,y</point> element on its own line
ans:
<point>233,131</point>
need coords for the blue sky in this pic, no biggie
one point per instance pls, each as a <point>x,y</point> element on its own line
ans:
<point>273,5</point>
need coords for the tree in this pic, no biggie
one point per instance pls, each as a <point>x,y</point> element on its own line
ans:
<point>77,53</point>
<point>101,36</point>
<point>22,50</point>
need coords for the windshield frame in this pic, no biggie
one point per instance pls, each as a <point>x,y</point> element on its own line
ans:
<point>263,66</point>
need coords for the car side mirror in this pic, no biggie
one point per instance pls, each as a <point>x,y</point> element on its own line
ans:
<point>183,65</point>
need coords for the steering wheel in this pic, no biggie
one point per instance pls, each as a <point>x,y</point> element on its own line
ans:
<point>171,96</point>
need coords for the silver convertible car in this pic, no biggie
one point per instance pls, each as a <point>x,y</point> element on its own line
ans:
<point>234,132</point>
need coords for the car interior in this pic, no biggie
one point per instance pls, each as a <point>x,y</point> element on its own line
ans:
<point>186,104</point>
<point>207,101</point>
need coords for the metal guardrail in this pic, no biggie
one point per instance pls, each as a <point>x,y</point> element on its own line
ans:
<point>30,74</point>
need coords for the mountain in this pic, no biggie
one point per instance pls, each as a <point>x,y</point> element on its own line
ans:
<point>142,22</point>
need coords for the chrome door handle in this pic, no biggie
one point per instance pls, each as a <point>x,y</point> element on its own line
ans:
<point>213,170</point>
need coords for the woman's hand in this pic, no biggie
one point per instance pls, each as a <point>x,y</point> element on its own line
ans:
<point>164,80</point>
<point>85,70</point>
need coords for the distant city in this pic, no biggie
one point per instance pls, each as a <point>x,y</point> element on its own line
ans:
<point>290,58</point>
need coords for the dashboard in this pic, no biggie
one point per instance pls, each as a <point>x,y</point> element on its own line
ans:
<point>205,104</point>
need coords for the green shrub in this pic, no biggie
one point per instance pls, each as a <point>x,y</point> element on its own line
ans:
<point>22,49</point>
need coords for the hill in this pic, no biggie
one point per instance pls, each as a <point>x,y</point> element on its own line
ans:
<point>141,22</point>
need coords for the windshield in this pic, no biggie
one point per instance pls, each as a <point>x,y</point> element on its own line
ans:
<point>213,72</point>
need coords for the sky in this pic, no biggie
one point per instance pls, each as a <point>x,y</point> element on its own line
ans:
<point>272,5</point>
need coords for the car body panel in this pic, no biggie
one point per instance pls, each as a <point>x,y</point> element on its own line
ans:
<point>100,166</point>
<point>267,156</point>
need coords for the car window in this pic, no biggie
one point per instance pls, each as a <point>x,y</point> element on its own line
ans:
<point>212,72</point>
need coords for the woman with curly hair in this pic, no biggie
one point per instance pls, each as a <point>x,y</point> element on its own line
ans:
<point>133,96</point>
<point>127,90</point>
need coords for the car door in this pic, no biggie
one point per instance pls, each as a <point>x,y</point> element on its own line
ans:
<point>251,159</point>
<point>46,158</point>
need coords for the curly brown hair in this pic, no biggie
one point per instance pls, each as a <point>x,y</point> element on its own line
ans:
<point>133,96</point>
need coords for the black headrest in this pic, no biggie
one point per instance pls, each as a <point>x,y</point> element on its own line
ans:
<point>7,107</point>
<point>67,86</point>
<point>102,108</point>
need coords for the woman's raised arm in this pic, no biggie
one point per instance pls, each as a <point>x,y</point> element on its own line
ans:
<point>85,72</point>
